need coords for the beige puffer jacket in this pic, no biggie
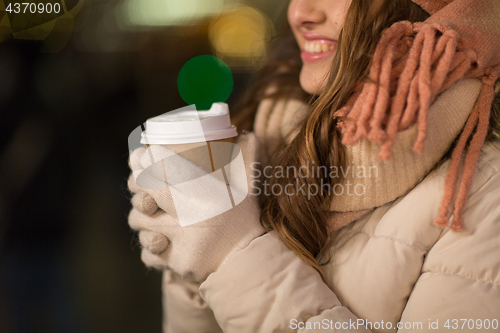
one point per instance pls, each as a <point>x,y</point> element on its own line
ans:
<point>392,270</point>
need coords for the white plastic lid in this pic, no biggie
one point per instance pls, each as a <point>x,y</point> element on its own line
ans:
<point>187,125</point>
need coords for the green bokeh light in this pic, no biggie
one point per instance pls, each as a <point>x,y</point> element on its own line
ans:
<point>205,80</point>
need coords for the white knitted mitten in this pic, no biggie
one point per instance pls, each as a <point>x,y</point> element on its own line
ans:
<point>198,249</point>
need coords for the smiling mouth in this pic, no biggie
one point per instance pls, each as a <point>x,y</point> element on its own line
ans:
<point>318,46</point>
<point>318,50</point>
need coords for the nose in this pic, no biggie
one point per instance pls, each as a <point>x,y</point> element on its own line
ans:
<point>305,13</point>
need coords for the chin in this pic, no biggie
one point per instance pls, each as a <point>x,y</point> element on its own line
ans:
<point>311,82</point>
<point>310,86</point>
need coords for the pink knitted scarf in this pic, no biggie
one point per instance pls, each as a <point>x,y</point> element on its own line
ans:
<point>412,64</point>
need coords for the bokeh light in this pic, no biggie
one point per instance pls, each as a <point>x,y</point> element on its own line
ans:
<point>170,12</point>
<point>205,80</point>
<point>54,28</point>
<point>239,36</point>
<point>5,28</point>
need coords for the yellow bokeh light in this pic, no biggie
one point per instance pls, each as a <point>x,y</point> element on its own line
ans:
<point>54,28</point>
<point>239,36</point>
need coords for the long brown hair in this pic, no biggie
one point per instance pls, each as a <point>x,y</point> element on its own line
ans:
<point>301,221</point>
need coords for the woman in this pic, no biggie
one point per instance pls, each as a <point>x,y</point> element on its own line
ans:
<point>342,248</point>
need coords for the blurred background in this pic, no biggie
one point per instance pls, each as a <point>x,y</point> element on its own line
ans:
<point>73,84</point>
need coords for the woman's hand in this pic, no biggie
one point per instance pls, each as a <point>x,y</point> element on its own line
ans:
<point>197,249</point>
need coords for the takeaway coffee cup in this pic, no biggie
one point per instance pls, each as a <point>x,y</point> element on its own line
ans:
<point>206,139</point>
<point>202,137</point>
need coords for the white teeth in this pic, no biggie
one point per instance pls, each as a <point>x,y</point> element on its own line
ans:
<point>317,47</point>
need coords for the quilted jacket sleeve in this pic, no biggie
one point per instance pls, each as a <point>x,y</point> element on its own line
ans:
<point>183,309</point>
<point>273,291</point>
<point>459,286</point>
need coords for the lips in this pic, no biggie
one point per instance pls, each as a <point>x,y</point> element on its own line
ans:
<point>317,47</point>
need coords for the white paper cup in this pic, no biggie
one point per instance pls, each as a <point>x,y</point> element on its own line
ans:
<point>202,137</point>
<point>206,138</point>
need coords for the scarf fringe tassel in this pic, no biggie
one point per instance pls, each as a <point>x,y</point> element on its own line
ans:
<point>424,60</point>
